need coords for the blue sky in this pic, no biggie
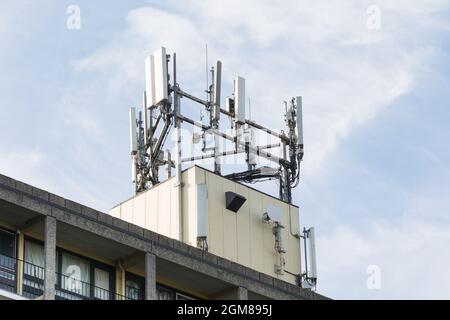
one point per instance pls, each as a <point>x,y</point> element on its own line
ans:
<point>376,176</point>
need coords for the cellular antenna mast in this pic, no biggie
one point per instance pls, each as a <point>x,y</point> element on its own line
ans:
<point>161,110</point>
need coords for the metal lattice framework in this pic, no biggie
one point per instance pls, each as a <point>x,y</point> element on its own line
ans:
<point>161,111</point>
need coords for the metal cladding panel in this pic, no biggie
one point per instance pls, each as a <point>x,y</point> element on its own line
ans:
<point>216,203</point>
<point>126,212</point>
<point>133,137</point>
<point>269,254</point>
<point>160,65</point>
<point>229,223</point>
<point>243,228</point>
<point>175,219</point>
<point>115,212</point>
<point>239,99</point>
<point>293,259</point>
<point>300,120</point>
<point>243,236</point>
<point>164,214</point>
<point>256,230</point>
<point>294,220</point>
<point>150,81</point>
<point>139,210</point>
<point>275,214</point>
<point>202,210</point>
<point>190,220</point>
<point>151,209</point>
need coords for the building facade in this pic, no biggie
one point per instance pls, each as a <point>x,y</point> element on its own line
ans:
<point>54,248</point>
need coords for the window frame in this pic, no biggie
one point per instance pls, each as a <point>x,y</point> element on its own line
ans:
<point>93,264</point>
<point>176,292</point>
<point>139,280</point>
<point>7,282</point>
<point>28,289</point>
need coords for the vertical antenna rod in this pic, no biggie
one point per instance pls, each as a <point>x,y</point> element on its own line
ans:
<point>216,113</point>
<point>178,182</point>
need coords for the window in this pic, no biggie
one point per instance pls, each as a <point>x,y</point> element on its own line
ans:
<point>164,293</point>
<point>134,290</point>
<point>7,244</point>
<point>134,287</point>
<point>75,275</point>
<point>34,259</point>
<point>7,260</point>
<point>101,279</point>
<point>82,278</point>
<point>33,269</point>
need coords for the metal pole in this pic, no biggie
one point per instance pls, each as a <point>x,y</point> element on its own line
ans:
<point>261,153</point>
<point>284,177</point>
<point>178,181</point>
<point>215,110</point>
<point>226,153</point>
<point>168,158</point>
<point>217,166</point>
<point>191,97</point>
<point>260,127</point>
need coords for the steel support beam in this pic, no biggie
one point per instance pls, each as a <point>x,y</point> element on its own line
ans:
<point>261,153</point>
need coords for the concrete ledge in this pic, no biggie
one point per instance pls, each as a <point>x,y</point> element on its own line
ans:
<point>91,213</point>
<point>25,188</point>
<point>40,194</point>
<point>73,206</point>
<point>59,201</point>
<point>7,181</point>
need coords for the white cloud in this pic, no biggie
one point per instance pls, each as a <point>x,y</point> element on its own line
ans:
<point>24,164</point>
<point>411,253</point>
<point>75,113</point>
<point>32,166</point>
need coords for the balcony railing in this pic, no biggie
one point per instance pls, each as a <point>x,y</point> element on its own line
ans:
<point>8,273</point>
<point>32,280</point>
<point>133,293</point>
<point>32,277</point>
<point>71,288</point>
<point>31,283</point>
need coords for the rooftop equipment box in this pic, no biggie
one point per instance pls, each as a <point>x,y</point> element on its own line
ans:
<point>243,236</point>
